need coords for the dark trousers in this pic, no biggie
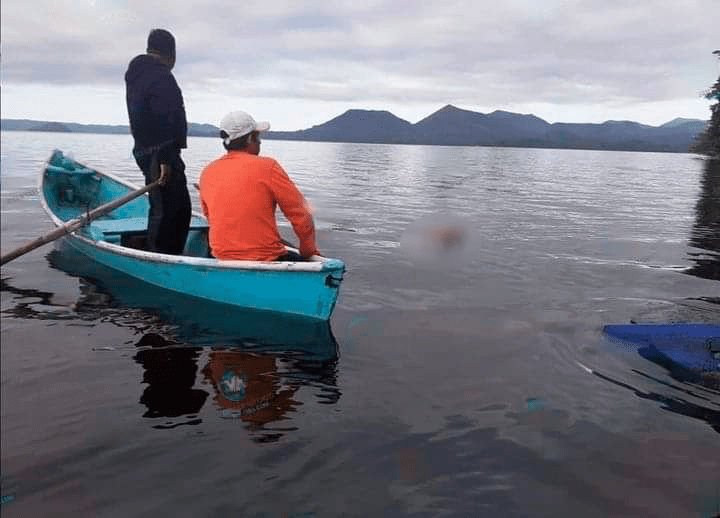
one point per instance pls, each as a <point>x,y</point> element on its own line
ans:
<point>170,206</point>
<point>291,256</point>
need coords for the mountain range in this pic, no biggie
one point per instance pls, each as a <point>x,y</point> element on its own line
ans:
<point>452,126</point>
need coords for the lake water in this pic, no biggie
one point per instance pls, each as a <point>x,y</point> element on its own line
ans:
<point>475,387</point>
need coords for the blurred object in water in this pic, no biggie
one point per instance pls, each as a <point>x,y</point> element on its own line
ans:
<point>439,241</point>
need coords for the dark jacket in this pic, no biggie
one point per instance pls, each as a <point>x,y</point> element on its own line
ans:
<point>155,108</point>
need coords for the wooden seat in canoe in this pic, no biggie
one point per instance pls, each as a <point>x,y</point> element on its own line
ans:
<point>130,232</point>
<point>124,226</point>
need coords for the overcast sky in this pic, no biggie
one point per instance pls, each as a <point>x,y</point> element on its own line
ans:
<point>301,63</point>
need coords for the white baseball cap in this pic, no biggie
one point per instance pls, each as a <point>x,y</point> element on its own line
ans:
<point>237,124</point>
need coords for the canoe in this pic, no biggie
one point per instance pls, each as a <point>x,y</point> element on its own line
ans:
<point>106,293</point>
<point>69,190</point>
<point>691,346</point>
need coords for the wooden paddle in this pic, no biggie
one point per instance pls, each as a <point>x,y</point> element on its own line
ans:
<point>76,223</point>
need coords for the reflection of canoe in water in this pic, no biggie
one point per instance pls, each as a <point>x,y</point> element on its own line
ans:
<point>257,387</point>
<point>68,190</point>
<point>691,346</point>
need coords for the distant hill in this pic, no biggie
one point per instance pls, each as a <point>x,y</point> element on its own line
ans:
<point>194,130</point>
<point>368,126</point>
<point>203,130</point>
<point>51,126</point>
<point>69,127</point>
<point>452,126</point>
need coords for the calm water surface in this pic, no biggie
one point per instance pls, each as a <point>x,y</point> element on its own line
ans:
<point>483,388</point>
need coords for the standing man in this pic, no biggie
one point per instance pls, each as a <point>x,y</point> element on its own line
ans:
<point>239,193</point>
<point>159,127</point>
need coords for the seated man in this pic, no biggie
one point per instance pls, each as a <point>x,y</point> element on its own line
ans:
<point>239,193</point>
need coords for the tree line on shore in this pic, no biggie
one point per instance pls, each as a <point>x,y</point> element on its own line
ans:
<point>708,142</point>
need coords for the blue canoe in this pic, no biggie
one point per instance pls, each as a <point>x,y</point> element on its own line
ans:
<point>68,190</point>
<point>692,346</point>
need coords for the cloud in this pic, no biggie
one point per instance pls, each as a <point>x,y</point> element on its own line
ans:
<point>483,55</point>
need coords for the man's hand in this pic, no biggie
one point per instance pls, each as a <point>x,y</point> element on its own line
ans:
<point>165,171</point>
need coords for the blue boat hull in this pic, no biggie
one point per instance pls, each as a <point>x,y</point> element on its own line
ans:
<point>308,289</point>
<point>693,346</point>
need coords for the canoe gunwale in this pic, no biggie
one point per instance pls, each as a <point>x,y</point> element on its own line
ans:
<point>315,264</point>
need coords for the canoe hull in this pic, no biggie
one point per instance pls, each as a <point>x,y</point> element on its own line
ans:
<point>308,289</point>
<point>312,294</point>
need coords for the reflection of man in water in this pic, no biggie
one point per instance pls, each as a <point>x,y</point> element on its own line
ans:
<point>170,375</point>
<point>247,386</point>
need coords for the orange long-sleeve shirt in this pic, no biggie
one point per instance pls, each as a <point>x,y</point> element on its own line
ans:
<point>239,193</point>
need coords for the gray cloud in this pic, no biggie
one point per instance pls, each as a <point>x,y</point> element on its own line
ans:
<point>491,54</point>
